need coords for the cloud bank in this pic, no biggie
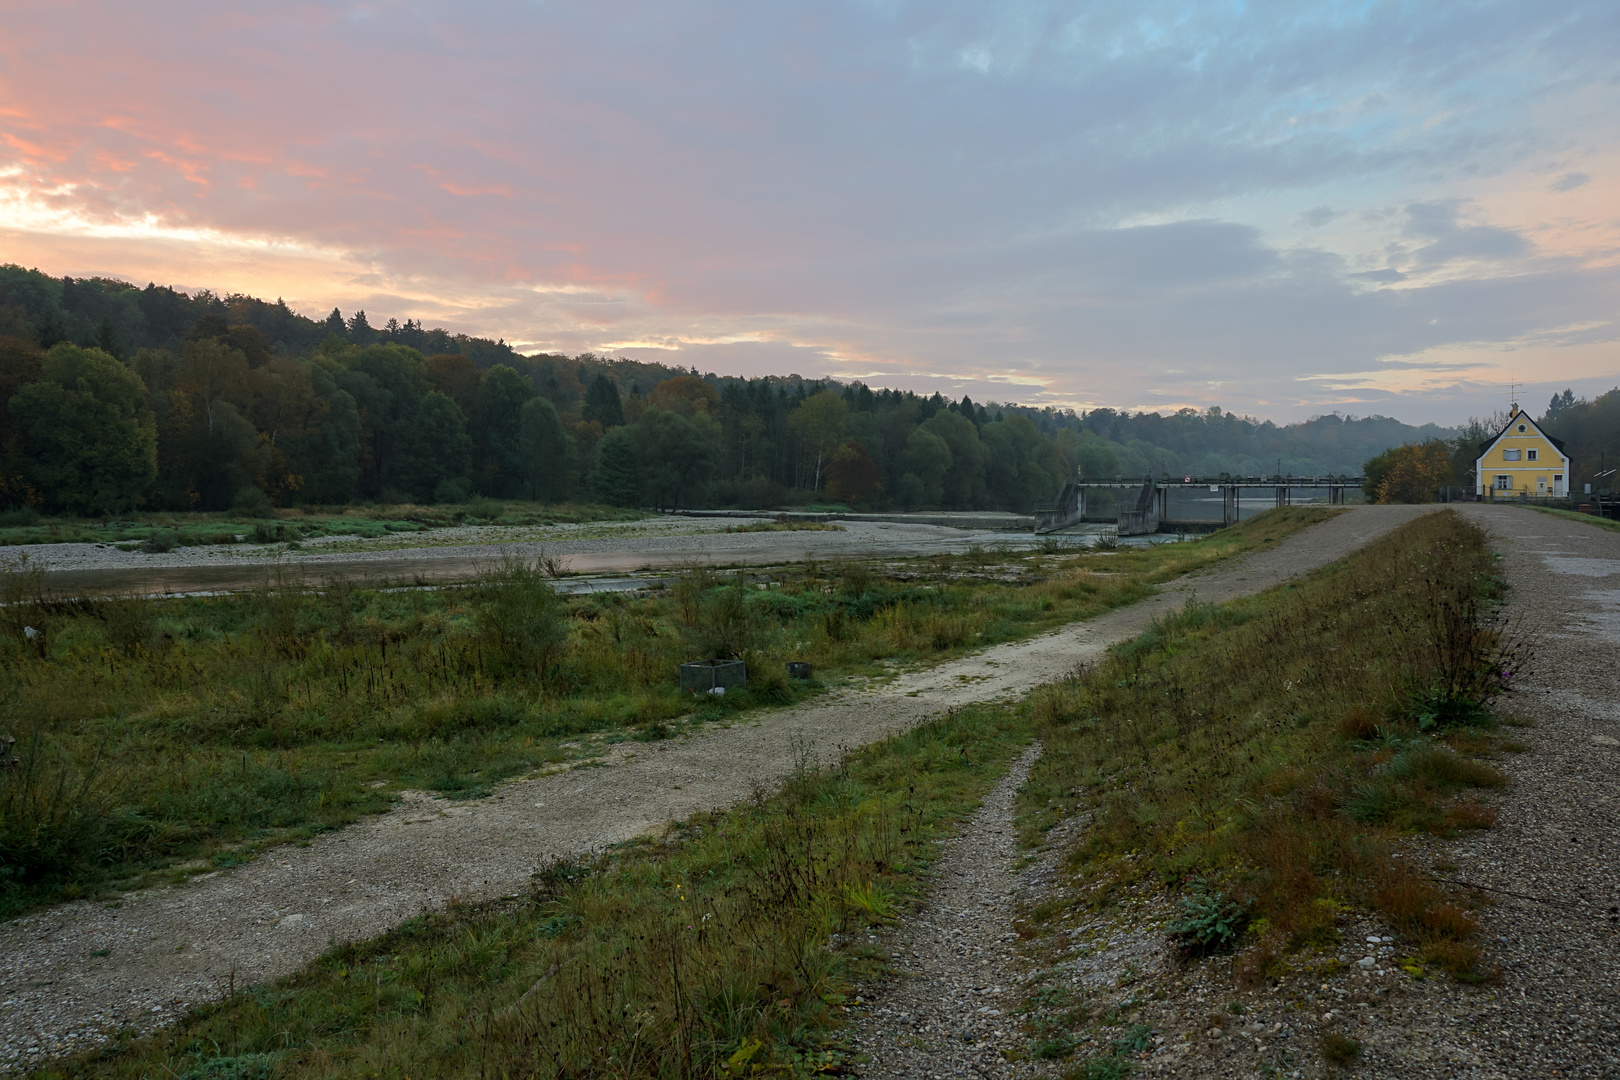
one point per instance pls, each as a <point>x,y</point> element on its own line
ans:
<point>1279,208</point>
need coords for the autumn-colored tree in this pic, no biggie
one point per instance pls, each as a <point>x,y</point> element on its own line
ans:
<point>852,475</point>
<point>686,395</point>
<point>1413,473</point>
<point>457,378</point>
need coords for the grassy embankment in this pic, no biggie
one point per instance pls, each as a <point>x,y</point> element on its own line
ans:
<point>159,532</point>
<point>1588,519</point>
<point>730,947</point>
<point>189,730</point>
<point>1263,760</point>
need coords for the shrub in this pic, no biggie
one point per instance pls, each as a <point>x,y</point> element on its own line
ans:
<point>1340,1049</point>
<point>1210,922</point>
<point>268,532</point>
<point>453,490</point>
<point>160,541</point>
<point>251,502</point>
<point>239,1067</point>
<point>19,517</point>
<point>54,824</point>
<point>485,509</point>
<point>1055,1048</point>
<point>520,621</point>
<point>1111,1067</point>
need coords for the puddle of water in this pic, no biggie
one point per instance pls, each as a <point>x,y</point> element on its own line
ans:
<point>1580,567</point>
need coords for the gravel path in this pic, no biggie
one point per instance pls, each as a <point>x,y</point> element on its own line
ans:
<point>951,1009</point>
<point>70,975</point>
<point>1551,864</point>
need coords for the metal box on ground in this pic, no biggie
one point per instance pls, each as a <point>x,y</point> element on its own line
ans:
<point>704,675</point>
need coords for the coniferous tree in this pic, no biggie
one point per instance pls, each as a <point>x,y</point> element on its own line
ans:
<point>503,465</point>
<point>615,480</point>
<point>543,447</point>
<point>602,404</point>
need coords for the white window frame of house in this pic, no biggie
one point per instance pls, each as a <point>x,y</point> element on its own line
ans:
<point>1510,455</point>
<point>1504,482</point>
<point>1531,455</point>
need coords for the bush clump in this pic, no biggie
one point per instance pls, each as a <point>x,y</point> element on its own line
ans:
<point>1210,922</point>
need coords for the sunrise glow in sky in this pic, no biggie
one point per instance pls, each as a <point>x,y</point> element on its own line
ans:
<point>1280,208</point>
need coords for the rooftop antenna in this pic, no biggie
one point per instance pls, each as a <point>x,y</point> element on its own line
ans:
<point>1513,394</point>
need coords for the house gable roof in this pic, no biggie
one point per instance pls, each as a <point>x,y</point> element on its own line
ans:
<point>1520,418</point>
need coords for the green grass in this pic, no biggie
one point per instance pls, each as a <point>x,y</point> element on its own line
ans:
<point>1263,758</point>
<point>728,948</point>
<point>784,526</point>
<point>164,733</point>
<point>1574,515</point>
<point>224,527</point>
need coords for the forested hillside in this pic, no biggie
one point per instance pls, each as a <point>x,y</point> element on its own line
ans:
<point>120,398</point>
<point>1591,434</point>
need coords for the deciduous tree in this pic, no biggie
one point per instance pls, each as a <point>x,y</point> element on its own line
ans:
<point>87,431</point>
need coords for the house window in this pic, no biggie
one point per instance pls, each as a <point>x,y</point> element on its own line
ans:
<point>1530,455</point>
<point>1503,483</point>
<point>1521,429</point>
<point>1510,455</point>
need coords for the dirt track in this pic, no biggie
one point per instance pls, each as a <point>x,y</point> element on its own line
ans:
<point>168,949</point>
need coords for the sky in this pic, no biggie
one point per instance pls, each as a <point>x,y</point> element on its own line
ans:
<point>1283,209</point>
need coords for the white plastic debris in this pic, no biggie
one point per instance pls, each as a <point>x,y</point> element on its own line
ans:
<point>30,633</point>
<point>718,691</point>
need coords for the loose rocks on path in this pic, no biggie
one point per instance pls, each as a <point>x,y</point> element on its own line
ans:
<point>952,1009</point>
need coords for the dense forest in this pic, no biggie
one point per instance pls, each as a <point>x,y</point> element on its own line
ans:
<point>120,398</point>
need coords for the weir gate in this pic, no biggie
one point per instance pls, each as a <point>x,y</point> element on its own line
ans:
<point>1141,507</point>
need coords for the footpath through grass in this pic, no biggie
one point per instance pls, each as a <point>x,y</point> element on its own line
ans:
<point>151,733</point>
<point>1263,760</point>
<point>724,949</point>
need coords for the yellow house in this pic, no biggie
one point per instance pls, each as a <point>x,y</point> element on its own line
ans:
<point>1521,461</point>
